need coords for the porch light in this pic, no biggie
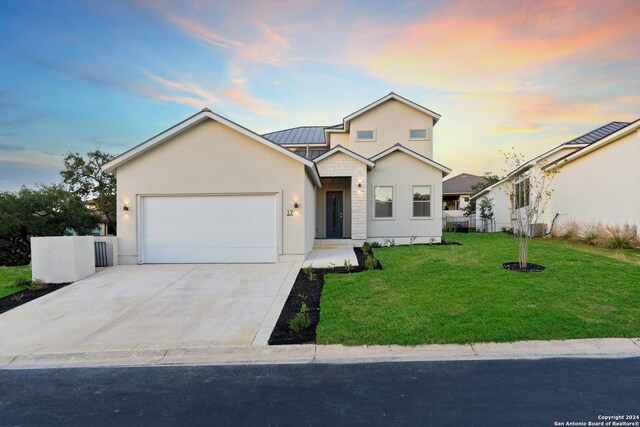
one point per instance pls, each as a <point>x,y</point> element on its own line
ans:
<point>359,186</point>
<point>296,205</point>
<point>125,208</point>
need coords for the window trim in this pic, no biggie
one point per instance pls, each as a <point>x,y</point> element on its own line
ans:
<point>393,203</point>
<point>373,133</point>
<point>425,138</point>
<point>527,197</point>
<point>430,217</point>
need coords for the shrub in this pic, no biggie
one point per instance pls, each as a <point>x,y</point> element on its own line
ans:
<point>375,244</point>
<point>348,266</point>
<point>508,230</point>
<point>592,234</point>
<point>389,242</point>
<point>32,285</point>
<point>23,282</point>
<point>370,262</point>
<point>621,237</point>
<point>570,231</point>
<point>17,297</point>
<point>301,320</point>
<point>310,273</point>
<point>366,247</point>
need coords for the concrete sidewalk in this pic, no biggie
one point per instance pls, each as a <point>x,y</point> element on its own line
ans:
<point>201,354</point>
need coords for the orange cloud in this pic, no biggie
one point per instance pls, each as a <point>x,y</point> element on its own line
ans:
<point>463,48</point>
<point>242,98</point>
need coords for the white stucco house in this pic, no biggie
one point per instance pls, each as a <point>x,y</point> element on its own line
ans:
<point>209,190</point>
<point>598,180</point>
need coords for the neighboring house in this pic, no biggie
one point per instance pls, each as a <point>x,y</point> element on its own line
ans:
<point>598,180</point>
<point>209,190</point>
<point>456,192</point>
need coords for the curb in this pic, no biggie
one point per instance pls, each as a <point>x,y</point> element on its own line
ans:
<point>311,353</point>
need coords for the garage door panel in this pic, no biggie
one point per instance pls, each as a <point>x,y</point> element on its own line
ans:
<point>206,229</point>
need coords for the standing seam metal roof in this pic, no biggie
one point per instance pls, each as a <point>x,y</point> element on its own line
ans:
<point>300,135</point>
<point>598,134</point>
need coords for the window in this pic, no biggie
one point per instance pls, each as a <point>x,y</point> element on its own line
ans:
<point>521,193</point>
<point>418,134</point>
<point>421,201</point>
<point>383,202</point>
<point>365,135</point>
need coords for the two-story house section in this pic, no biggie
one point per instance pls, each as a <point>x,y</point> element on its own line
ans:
<point>210,190</point>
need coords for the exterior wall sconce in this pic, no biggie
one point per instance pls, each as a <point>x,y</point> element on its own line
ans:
<point>125,208</point>
<point>359,186</point>
<point>296,205</point>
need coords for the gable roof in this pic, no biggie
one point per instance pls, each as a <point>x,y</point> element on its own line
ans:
<point>398,147</point>
<point>460,184</point>
<point>301,135</point>
<point>580,143</point>
<point>340,149</point>
<point>611,137</point>
<point>384,99</point>
<point>206,114</point>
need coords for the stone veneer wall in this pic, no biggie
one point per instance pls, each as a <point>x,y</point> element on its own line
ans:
<point>342,165</point>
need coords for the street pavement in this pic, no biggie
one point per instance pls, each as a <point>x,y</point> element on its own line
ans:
<point>441,393</point>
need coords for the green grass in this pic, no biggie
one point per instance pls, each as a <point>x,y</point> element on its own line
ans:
<point>8,276</point>
<point>461,294</point>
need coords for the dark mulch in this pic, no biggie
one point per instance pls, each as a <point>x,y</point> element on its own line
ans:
<point>530,268</point>
<point>22,297</point>
<point>308,292</point>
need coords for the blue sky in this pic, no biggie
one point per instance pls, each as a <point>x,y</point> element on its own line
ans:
<point>525,74</point>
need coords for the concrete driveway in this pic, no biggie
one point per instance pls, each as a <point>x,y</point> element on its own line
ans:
<point>153,306</point>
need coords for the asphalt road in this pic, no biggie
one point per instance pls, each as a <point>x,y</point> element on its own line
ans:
<point>475,393</point>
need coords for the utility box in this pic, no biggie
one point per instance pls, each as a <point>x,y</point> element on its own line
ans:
<point>62,259</point>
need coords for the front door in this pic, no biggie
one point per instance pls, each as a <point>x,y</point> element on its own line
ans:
<point>334,214</point>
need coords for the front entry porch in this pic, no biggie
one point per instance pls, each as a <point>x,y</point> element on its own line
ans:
<point>329,253</point>
<point>333,209</point>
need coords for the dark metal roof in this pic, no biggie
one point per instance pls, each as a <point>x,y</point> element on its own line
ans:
<point>597,134</point>
<point>300,135</point>
<point>310,154</point>
<point>460,184</point>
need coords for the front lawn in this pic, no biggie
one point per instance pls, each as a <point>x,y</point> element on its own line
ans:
<point>8,276</point>
<point>461,294</point>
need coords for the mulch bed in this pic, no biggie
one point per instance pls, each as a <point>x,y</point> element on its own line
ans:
<point>530,268</point>
<point>23,297</point>
<point>308,292</point>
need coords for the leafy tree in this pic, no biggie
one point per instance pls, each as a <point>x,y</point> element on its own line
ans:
<point>45,211</point>
<point>488,179</point>
<point>485,209</point>
<point>84,176</point>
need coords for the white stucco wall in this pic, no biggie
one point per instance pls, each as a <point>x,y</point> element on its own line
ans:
<point>501,207</point>
<point>391,122</point>
<point>62,259</point>
<point>210,159</point>
<point>309,213</point>
<point>603,185</point>
<point>402,172</point>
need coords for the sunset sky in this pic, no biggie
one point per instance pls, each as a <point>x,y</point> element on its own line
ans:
<point>79,75</point>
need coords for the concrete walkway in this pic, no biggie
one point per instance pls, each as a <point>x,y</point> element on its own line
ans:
<point>212,355</point>
<point>329,253</point>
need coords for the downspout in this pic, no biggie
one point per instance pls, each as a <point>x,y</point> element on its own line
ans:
<point>552,224</point>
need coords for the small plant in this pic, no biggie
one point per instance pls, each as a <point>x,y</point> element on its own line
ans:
<point>25,283</point>
<point>310,273</point>
<point>332,265</point>
<point>17,297</point>
<point>389,242</point>
<point>432,240</point>
<point>412,239</point>
<point>375,245</point>
<point>301,320</point>
<point>621,237</point>
<point>366,247</point>
<point>592,234</point>
<point>570,231</point>
<point>348,266</point>
<point>370,262</point>
<point>37,285</point>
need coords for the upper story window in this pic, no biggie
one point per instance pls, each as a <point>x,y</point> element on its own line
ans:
<point>421,201</point>
<point>365,135</point>
<point>418,134</point>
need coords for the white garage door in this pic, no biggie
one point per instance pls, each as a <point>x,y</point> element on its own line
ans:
<point>208,229</point>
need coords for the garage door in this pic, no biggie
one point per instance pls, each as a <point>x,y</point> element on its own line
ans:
<point>208,229</point>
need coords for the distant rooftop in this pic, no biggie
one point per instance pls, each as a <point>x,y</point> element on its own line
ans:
<point>300,135</point>
<point>597,134</point>
<point>460,184</point>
